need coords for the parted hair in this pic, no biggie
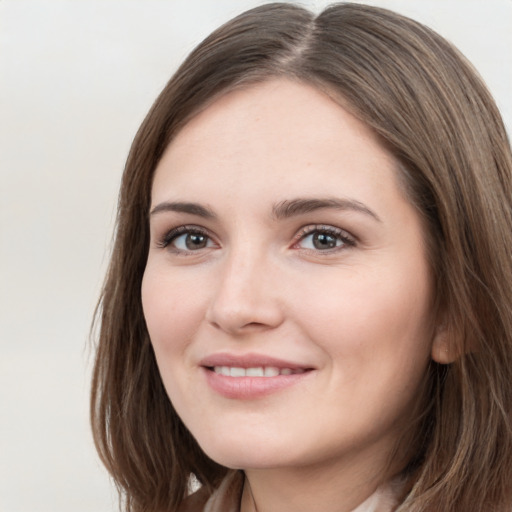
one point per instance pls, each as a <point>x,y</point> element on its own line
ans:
<point>433,113</point>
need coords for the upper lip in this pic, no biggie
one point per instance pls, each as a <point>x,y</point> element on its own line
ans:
<point>249,361</point>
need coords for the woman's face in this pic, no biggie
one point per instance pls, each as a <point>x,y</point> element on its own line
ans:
<point>287,293</point>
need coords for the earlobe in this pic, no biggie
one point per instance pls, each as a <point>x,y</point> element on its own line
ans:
<point>444,351</point>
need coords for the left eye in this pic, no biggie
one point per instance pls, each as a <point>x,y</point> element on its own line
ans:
<point>325,240</point>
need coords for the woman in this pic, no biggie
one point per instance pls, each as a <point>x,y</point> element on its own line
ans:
<point>308,302</point>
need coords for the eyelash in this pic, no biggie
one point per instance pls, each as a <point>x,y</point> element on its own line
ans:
<point>338,234</point>
<point>175,233</point>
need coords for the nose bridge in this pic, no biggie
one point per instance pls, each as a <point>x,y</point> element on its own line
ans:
<point>241,266</point>
<point>245,296</point>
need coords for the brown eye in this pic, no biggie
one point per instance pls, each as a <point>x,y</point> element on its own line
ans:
<point>325,238</point>
<point>324,241</point>
<point>194,241</point>
<point>185,239</point>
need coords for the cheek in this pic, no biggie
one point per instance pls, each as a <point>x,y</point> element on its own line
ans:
<point>377,339</point>
<point>171,311</point>
<point>379,319</point>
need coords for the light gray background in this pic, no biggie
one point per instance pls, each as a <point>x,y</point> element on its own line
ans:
<point>76,79</point>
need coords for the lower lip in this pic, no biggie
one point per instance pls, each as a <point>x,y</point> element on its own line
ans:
<point>249,388</point>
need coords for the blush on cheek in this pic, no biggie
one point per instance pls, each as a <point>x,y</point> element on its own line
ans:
<point>171,319</point>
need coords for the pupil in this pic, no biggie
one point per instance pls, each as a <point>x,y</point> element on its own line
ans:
<point>195,241</point>
<point>324,241</point>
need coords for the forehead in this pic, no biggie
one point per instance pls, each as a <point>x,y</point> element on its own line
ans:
<point>279,130</point>
<point>275,106</point>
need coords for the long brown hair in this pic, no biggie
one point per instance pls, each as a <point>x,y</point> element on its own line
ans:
<point>434,114</point>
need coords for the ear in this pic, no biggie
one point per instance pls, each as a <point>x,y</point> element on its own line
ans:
<point>444,350</point>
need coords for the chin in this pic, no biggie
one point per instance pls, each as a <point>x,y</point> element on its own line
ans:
<point>246,453</point>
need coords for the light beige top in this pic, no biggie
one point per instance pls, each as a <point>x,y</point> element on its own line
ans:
<point>227,498</point>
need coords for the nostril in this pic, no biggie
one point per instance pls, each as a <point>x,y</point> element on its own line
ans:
<point>255,324</point>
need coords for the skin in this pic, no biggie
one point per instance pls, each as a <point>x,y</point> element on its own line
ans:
<point>358,314</point>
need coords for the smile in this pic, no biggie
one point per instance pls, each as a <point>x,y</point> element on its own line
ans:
<point>251,376</point>
<point>258,371</point>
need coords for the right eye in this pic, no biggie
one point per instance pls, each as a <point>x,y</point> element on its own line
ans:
<point>185,239</point>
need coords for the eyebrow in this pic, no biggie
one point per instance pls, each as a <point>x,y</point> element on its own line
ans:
<point>183,207</point>
<point>295,207</point>
<point>282,210</point>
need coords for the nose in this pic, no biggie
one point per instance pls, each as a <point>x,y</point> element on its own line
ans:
<point>246,296</point>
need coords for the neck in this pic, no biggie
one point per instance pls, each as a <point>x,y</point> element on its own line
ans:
<point>339,487</point>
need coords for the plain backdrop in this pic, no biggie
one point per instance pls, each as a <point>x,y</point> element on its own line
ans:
<point>76,79</point>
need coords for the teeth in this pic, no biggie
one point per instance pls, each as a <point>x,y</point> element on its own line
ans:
<point>254,372</point>
<point>259,371</point>
<point>271,371</point>
<point>223,370</point>
<point>237,372</point>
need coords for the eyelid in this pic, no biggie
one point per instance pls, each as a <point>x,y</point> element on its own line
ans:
<point>166,240</point>
<point>347,239</point>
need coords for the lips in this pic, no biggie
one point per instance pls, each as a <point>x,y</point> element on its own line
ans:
<point>251,376</point>
<point>250,361</point>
